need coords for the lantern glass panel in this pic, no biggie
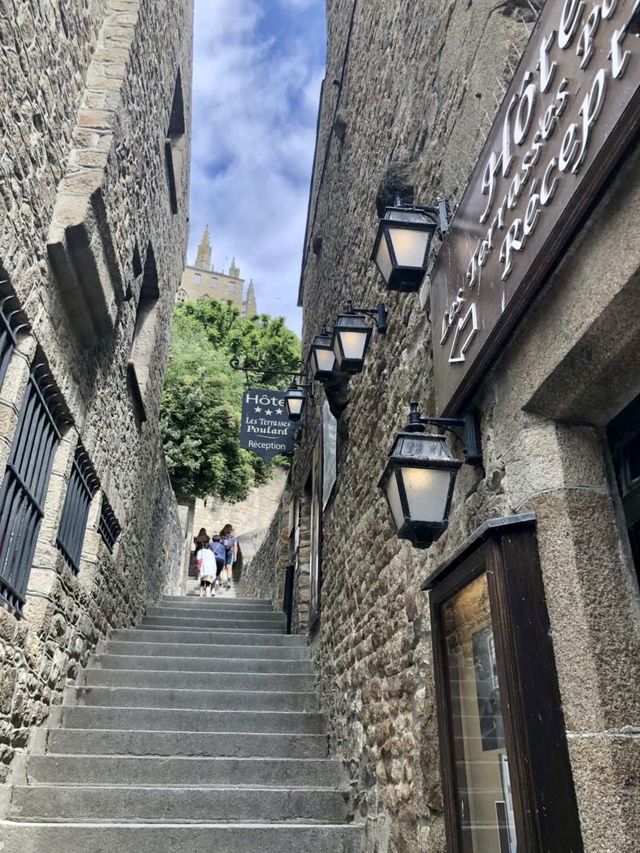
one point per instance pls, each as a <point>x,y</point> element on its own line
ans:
<point>395,504</point>
<point>354,344</point>
<point>427,491</point>
<point>410,246</point>
<point>383,258</point>
<point>294,401</point>
<point>324,359</point>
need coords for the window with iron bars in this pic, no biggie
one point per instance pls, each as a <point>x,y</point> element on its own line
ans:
<point>11,322</point>
<point>26,481</point>
<point>83,484</point>
<point>109,527</point>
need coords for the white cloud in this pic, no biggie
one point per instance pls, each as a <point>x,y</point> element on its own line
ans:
<point>257,73</point>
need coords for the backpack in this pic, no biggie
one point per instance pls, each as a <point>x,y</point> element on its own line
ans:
<point>218,550</point>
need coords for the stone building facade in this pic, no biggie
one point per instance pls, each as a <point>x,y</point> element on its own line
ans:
<point>410,96</point>
<point>95,105</point>
<point>201,281</point>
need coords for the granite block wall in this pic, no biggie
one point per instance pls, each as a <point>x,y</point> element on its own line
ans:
<point>409,96</point>
<point>95,118</point>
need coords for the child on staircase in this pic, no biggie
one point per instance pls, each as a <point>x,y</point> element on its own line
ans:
<point>205,567</point>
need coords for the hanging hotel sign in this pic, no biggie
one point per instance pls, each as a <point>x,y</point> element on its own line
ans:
<point>266,428</point>
<point>570,111</point>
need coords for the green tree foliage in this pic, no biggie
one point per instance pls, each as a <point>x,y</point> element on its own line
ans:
<point>258,340</point>
<point>202,399</point>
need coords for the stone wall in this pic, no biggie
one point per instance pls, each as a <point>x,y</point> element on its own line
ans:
<point>413,92</point>
<point>263,576</point>
<point>90,92</point>
<point>418,94</point>
<point>251,517</point>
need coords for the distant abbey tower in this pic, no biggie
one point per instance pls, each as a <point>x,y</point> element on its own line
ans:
<point>201,281</point>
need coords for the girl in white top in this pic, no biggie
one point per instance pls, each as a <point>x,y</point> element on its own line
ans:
<point>206,568</point>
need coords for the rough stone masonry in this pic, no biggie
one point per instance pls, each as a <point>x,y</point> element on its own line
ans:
<point>94,117</point>
<point>409,96</point>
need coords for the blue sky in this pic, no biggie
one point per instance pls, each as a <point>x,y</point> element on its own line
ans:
<point>258,65</point>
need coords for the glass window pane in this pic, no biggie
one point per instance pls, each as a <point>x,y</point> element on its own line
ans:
<point>483,791</point>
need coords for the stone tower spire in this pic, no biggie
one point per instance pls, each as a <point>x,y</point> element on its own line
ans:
<point>251,308</point>
<point>203,258</point>
<point>234,270</point>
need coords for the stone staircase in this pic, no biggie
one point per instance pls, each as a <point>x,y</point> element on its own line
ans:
<point>198,730</point>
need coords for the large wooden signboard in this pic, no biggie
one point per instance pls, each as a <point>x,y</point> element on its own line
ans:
<point>571,110</point>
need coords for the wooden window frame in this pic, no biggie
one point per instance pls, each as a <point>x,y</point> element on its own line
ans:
<point>544,801</point>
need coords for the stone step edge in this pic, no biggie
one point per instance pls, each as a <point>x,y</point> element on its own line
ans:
<point>220,733</point>
<point>85,689</point>
<point>180,669</point>
<point>66,707</point>
<point>71,786</point>
<point>186,758</point>
<point>185,823</point>
<point>307,674</point>
<point>190,825</point>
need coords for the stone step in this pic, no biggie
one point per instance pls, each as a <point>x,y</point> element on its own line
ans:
<point>221,650</point>
<point>217,626</point>
<point>197,680</point>
<point>212,700</point>
<point>216,623</point>
<point>110,770</point>
<point>191,600</point>
<point>212,612</point>
<point>162,719</point>
<point>29,837</point>
<point>203,803</point>
<point>231,744</point>
<point>199,637</point>
<point>200,664</point>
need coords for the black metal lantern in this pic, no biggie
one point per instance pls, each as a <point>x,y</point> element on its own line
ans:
<point>322,358</point>
<point>418,483</point>
<point>294,400</point>
<point>352,334</point>
<point>420,475</point>
<point>350,342</point>
<point>403,242</point>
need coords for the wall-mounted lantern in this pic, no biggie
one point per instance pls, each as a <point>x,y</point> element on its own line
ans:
<point>420,475</point>
<point>401,249</point>
<point>322,358</point>
<point>294,400</point>
<point>352,334</point>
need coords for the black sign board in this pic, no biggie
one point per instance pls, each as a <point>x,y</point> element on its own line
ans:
<point>266,428</point>
<point>570,111</point>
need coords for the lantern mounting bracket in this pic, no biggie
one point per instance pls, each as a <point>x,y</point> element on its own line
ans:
<point>441,212</point>
<point>379,314</point>
<point>261,366</point>
<point>468,423</point>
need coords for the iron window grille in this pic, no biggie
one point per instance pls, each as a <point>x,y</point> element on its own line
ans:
<point>83,484</point>
<point>109,526</point>
<point>26,481</point>
<point>11,322</point>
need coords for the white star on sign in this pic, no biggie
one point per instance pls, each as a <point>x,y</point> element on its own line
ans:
<point>268,412</point>
<point>257,409</point>
<point>278,411</point>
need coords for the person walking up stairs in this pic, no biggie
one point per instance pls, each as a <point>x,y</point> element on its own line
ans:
<point>196,731</point>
